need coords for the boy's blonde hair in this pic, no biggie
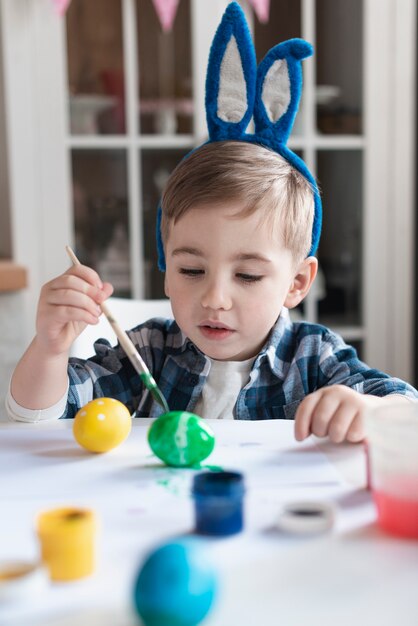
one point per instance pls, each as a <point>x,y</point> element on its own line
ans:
<point>257,177</point>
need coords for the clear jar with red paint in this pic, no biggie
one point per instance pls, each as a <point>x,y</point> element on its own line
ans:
<point>392,438</point>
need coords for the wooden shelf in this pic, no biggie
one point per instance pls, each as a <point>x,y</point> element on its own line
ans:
<point>12,276</point>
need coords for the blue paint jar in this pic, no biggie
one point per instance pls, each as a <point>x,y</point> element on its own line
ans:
<point>218,498</point>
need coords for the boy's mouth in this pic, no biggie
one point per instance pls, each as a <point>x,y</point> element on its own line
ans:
<point>215,330</point>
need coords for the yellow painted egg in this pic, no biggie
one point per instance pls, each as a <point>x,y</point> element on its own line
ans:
<point>102,424</point>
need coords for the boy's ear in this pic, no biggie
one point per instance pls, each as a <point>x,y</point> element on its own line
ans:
<point>166,289</point>
<point>302,281</point>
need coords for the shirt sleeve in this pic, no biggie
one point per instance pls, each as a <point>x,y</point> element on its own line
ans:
<point>340,365</point>
<point>109,373</point>
<point>18,413</point>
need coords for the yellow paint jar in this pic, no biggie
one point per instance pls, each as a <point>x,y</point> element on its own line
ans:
<point>67,538</point>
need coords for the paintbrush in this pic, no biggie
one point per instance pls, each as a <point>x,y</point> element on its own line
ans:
<point>129,348</point>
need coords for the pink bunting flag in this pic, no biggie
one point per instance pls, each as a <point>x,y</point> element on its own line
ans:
<point>61,6</point>
<point>166,11</point>
<point>262,9</point>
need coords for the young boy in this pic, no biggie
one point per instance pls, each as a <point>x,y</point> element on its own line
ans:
<point>236,228</point>
<point>240,223</point>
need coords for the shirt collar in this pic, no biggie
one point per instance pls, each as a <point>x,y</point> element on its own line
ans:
<point>269,351</point>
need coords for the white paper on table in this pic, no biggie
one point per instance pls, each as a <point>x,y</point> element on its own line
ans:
<point>141,503</point>
<point>43,467</point>
<point>40,461</point>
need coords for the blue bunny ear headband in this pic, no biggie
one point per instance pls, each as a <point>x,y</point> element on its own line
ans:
<point>236,91</point>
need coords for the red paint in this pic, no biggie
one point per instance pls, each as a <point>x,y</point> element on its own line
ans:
<point>398,516</point>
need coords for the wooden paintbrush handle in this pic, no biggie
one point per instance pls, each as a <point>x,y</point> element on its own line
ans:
<point>124,340</point>
<point>131,352</point>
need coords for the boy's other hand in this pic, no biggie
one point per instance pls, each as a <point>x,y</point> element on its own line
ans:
<point>66,305</point>
<point>336,412</point>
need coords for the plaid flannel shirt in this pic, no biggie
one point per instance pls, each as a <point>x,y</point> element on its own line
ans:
<point>297,359</point>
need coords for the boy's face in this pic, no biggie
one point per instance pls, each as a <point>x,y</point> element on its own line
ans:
<point>227,280</point>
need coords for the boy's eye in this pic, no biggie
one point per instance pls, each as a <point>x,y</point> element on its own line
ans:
<point>190,272</point>
<point>249,278</point>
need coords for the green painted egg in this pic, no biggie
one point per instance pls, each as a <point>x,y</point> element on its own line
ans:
<point>181,439</point>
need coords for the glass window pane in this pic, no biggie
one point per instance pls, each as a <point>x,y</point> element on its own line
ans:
<point>101,219</point>
<point>165,72</point>
<point>340,257</point>
<point>95,67</point>
<point>284,23</point>
<point>156,168</point>
<point>339,56</point>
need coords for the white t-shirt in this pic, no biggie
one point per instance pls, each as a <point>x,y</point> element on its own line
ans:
<point>221,389</point>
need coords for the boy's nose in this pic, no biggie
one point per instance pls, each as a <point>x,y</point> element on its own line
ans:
<point>216,296</point>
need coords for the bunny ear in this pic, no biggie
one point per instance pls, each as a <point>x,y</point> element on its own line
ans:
<point>236,91</point>
<point>231,76</point>
<point>278,90</point>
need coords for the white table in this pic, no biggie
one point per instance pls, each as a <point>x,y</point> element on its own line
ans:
<point>353,575</point>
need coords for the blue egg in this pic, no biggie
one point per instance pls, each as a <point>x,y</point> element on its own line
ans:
<point>176,584</point>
